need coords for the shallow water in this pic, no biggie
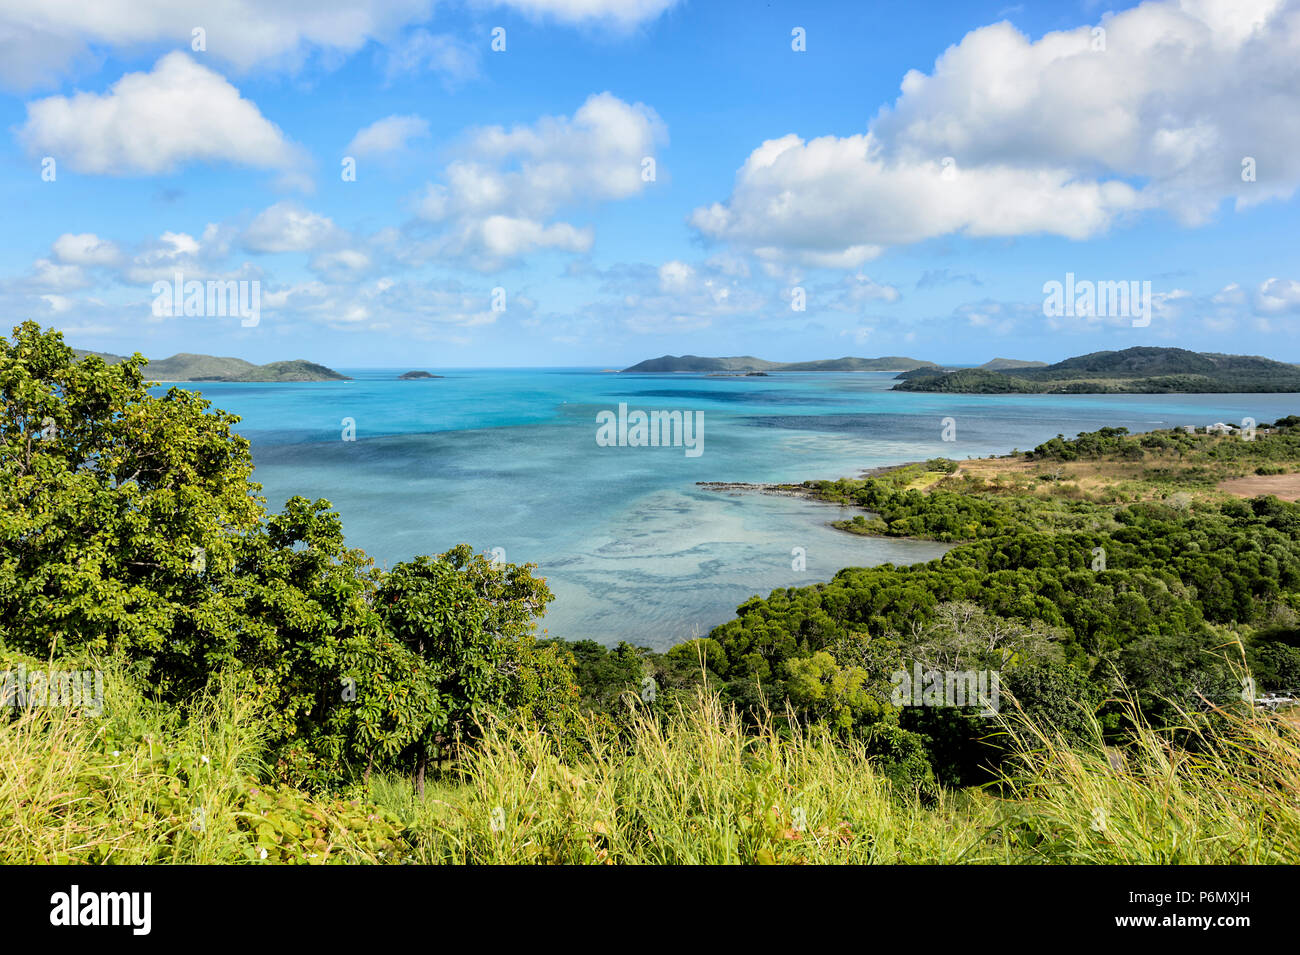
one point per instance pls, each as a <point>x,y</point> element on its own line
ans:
<point>632,548</point>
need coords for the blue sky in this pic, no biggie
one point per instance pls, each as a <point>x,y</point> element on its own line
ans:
<point>915,174</point>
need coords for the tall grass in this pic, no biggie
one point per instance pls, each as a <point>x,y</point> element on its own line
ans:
<point>1220,788</point>
<point>698,787</point>
<point>144,783</point>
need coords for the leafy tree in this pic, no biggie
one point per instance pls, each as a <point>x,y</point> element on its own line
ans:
<point>129,525</point>
<point>458,613</point>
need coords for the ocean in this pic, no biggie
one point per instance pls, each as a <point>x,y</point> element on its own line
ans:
<point>632,548</point>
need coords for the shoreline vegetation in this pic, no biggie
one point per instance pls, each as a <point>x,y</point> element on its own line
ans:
<point>1012,470</point>
<point>270,696</point>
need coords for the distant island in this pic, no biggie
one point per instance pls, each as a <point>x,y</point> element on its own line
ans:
<point>190,367</point>
<point>745,364</point>
<point>1139,370</point>
<point>416,375</point>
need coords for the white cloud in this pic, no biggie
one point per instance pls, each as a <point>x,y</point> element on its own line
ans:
<point>1278,295</point>
<point>856,290</point>
<point>288,227</point>
<point>342,265</point>
<point>506,237</point>
<point>153,123</point>
<point>595,154</point>
<point>504,184</point>
<point>42,39</point>
<point>1008,136</point>
<point>52,276</point>
<point>39,40</point>
<point>837,202</point>
<point>1230,294</point>
<point>59,303</point>
<point>171,252</point>
<point>86,249</point>
<point>675,276</point>
<point>390,134</point>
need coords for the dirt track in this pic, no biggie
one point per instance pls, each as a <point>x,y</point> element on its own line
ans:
<point>1285,486</point>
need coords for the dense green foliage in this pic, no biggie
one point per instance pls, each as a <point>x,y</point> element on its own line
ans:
<point>130,528</point>
<point>969,380</point>
<point>1170,601</point>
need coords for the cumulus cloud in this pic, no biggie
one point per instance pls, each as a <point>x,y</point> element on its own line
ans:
<point>86,248</point>
<point>155,122</point>
<point>1066,135</point>
<point>199,258</point>
<point>49,35</point>
<point>856,290</point>
<point>504,184</point>
<point>341,265</point>
<point>387,135</point>
<point>288,227</point>
<point>42,39</point>
<point>1278,295</point>
<point>55,277</point>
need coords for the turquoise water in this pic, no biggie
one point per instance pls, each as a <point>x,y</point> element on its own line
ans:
<point>631,547</point>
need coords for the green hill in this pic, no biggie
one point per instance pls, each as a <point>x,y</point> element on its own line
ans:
<point>694,363</point>
<point>186,366</point>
